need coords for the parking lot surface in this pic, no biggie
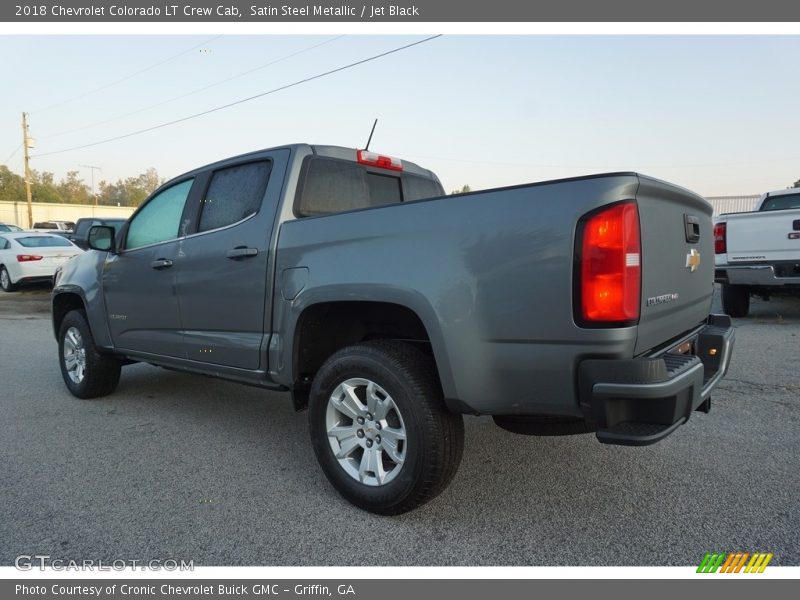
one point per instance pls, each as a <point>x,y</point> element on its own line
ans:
<point>175,466</point>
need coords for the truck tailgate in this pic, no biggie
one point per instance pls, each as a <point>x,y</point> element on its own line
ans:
<point>763,236</point>
<point>677,262</point>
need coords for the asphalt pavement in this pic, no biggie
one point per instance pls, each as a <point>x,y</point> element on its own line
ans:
<point>176,466</point>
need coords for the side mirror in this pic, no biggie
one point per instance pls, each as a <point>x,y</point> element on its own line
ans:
<point>101,237</point>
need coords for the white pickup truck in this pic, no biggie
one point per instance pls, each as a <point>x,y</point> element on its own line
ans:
<point>758,253</point>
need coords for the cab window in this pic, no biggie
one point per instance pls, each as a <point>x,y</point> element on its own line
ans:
<point>159,220</point>
<point>234,194</point>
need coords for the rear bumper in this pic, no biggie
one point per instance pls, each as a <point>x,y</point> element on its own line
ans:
<point>34,279</point>
<point>766,275</point>
<point>641,401</point>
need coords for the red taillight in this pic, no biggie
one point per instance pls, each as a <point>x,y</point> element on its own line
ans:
<point>379,160</point>
<point>27,257</point>
<point>610,270</point>
<point>720,238</point>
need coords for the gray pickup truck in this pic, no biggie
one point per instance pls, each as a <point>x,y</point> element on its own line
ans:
<point>389,309</point>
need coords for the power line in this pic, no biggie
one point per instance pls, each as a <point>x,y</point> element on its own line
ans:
<point>248,99</point>
<point>127,77</point>
<point>191,93</point>
<point>10,156</point>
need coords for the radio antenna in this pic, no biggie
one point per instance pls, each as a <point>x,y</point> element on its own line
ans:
<point>370,134</point>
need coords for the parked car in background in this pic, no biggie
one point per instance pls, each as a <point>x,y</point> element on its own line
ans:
<point>55,225</point>
<point>79,235</point>
<point>30,257</point>
<point>758,253</point>
<point>8,227</point>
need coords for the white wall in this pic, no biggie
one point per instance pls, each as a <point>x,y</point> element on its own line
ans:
<point>731,204</point>
<point>16,213</point>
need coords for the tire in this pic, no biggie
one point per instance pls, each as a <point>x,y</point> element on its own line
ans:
<point>406,398</point>
<point>100,374</point>
<point>5,281</point>
<point>735,300</point>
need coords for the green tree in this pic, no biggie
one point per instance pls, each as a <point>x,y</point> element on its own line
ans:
<point>797,184</point>
<point>44,188</point>
<point>74,190</point>
<point>464,189</point>
<point>12,186</point>
<point>131,191</point>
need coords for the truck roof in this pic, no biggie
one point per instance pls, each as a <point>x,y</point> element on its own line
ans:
<point>340,152</point>
<point>782,192</point>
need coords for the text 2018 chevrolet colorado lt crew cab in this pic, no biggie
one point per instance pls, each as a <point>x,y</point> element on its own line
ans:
<point>389,310</point>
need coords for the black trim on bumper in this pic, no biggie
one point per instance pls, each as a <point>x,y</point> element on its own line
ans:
<point>641,401</point>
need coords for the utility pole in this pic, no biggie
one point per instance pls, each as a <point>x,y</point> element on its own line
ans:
<point>27,144</point>
<point>93,168</point>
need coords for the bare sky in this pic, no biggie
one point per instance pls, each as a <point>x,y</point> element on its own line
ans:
<point>717,114</point>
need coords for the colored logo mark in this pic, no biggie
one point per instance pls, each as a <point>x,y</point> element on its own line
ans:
<point>735,562</point>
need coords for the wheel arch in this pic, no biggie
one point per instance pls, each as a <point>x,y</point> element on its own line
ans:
<point>322,325</point>
<point>62,304</point>
<point>72,297</point>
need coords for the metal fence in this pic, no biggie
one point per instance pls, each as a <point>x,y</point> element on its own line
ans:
<point>731,204</point>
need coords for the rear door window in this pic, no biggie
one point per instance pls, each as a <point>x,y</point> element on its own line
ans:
<point>234,194</point>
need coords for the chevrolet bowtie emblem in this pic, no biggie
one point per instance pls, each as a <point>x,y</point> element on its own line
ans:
<point>693,260</point>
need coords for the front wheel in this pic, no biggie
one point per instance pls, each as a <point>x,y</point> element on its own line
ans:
<point>379,427</point>
<point>86,372</point>
<point>735,300</point>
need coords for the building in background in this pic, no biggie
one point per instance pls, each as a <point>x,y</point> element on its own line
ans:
<point>16,213</point>
<point>732,204</point>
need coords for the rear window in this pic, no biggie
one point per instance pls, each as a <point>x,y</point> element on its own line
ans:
<point>42,241</point>
<point>83,226</point>
<point>417,188</point>
<point>331,185</point>
<point>784,202</point>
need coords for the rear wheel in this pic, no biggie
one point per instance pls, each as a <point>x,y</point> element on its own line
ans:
<point>379,427</point>
<point>735,300</point>
<point>5,281</point>
<point>86,372</point>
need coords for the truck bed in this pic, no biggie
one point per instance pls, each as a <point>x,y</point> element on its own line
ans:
<point>491,273</point>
